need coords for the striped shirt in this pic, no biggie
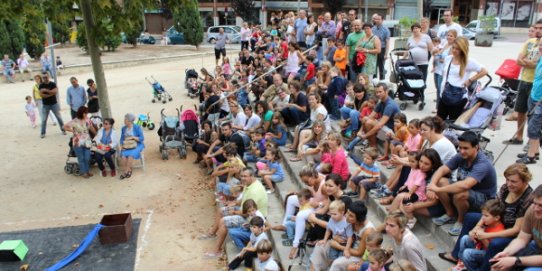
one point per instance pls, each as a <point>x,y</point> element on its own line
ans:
<point>369,171</point>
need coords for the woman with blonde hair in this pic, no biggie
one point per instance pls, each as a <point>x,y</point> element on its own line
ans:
<point>457,78</point>
<point>438,63</point>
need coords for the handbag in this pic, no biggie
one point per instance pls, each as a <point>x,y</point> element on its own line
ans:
<point>129,144</point>
<point>87,143</point>
<point>451,95</point>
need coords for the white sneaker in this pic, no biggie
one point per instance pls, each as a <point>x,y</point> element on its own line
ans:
<point>411,222</point>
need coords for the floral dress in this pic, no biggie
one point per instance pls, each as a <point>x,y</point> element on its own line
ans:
<point>370,62</point>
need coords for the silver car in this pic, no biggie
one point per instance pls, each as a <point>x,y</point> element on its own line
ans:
<point>232,31</point>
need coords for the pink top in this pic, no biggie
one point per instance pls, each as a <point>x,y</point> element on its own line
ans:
<point>413,142</point>
<point>417,177</point>
<point>318,196</point>
<point>338,162</point>
<point>226,68</point>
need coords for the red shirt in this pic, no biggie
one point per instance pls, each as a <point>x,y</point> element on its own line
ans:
<point>284,47</point>
<point>311,71</point>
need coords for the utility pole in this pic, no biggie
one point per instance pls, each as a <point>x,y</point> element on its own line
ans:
<point>420,10</point>
<point>94,51</point>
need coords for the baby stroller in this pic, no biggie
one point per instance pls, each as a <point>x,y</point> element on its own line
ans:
<point>158,91</point>
<point>190,124</point>
<point>509,72</point>
<point>484,110</point>
<point>191,84</point>
<point>171,135</point>
<point>409,80</point>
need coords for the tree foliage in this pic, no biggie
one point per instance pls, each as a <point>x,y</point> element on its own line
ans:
<point>334,6</point>
<point>16,36</point>
<point>245,9</point>
<point>187,20</point>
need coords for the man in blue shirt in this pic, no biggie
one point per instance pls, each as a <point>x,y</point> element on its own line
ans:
<point>383,33</point>
<point>535,118</point>
<point>76,97</point>
<point>386,108</point>
<point>299,27</point>
<point>476,183</point>
<point>8,67</point>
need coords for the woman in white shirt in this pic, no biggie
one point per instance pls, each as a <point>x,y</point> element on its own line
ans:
<point>457,69</point>
<point>107,142</point>
<point>309,31</point>
<point>245,36</point>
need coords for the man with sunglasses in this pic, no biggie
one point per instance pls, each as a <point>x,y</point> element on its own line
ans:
<point>48,91</point>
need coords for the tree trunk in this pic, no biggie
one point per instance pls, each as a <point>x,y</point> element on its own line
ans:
<point>94,51</point>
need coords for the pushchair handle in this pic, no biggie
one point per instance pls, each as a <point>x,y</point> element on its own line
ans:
<point>162,112</point>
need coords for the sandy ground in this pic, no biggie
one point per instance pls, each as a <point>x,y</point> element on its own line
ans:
<point>170,196</point>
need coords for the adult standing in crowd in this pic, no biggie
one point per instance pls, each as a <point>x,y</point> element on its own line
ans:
<point>383,33</point>
<point>527,59</point>
<point>347,24</point>
<point>299,28</point>
<point>420,46</point>
<point>310,31</point>
<point>38,99</point>
<point>220,45</point>
<point>326,31</point>
<point>440,56</point>
<point>515,195</point>
<point>523,253</point>
<point>93,104</point>
<point>371,46</point>
<point>535,119</point>
<point>424,23</point>
<point>457,77</point>
<point>76,96</point>
<point>23,65</point>
<point>447,26</point>
<point>352,46</point>
<point>48,91</point>
<point>476,183</point>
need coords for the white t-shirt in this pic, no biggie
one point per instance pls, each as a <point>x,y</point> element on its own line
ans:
<point>255,239</point>
<point>419,50</point>
<point>269,265</point>
<point>454,78</point>
<point>445,149</point>
<point>240,119</point>
<point>252,122</point>
<point>443,32</point>
<point>321,110</point>
<point>225,106</point>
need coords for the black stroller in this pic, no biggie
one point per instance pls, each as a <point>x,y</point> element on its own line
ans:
<point>171,135</point>
<point>193,87</point>
<point>409,80</point>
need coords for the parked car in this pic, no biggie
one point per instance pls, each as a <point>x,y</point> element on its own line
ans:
<point>146,39</point>
<point>174,36</point>
<point>469,34</point>
<point>475,26</point>
<point>232,31</point>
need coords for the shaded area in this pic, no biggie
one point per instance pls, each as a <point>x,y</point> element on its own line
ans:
<point>48,246</point>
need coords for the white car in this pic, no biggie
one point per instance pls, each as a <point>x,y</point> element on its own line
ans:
<point>232,31</point>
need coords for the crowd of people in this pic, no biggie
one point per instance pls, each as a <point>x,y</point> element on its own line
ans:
<point>305,73</point>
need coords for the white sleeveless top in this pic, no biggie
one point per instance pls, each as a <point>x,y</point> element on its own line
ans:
<point>293,63</point>
<point>360,233</point>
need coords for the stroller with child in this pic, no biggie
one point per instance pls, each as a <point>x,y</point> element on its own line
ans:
<point>171,135</point>
<point>484,110</point>
<point>158,91</point>
<point>191,84</point>
<point>408,78</point>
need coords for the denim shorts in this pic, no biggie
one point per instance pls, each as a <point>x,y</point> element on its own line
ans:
<point>277,178</point>
<point>234,221</point>
<point>476,200</point>
<point>535,120</point>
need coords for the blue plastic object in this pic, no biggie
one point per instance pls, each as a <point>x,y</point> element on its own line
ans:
<point>76,253</point>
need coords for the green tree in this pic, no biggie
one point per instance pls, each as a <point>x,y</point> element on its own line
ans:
<point>5,44</point>
<point>245,9</point>
<point>32,22</point>
<point>82,37</point>
<point>16,36</point>
<point>187,20</point>
<point>334,6</point>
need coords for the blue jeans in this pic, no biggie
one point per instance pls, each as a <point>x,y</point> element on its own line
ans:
<point>334,103</point>
<point>438,82</point>
<point>240,236</point>
<point>472,257</point>
<point>83,157</point>
<point>8,73</point>
<point>251,158</point>
<point>495,246</point>
<point>293,116</point>
<point>353,143</point>
<point>223,188</point>
<point>56,111</point>
<point>533,246</point>
<point>290,228</point>
<point>353,115</point>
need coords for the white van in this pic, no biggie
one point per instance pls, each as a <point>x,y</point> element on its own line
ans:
<point>475,26</point>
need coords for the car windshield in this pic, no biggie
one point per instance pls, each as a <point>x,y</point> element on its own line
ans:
<point>237,28</point>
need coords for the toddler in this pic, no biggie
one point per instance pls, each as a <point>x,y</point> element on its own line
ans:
<point>30,109</point>
<point>227,172</point>
<point>377,259</point>
<point>226,68</point>
<point>257,146</point>
<point>310,76</point>
<point>367,177</point>
<point>373,241</point>
<point>340,57</point>
<point>337,227</point>
<point>414,140</point>
<point>271,171</point>
<point>472,252</point>
<point>277,131</point>
<point>397,138</point>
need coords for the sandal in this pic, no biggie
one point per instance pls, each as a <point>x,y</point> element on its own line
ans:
<point>129,174</point>
<point>445,256</point>
<point>295,159</point>
<point>122,176</point>
<point>513,141</point>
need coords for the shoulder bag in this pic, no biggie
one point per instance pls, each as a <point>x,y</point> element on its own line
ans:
<point>451,95</point>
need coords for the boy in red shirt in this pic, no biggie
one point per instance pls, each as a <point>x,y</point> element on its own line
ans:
<point>310,76</point>
<point>284,48</point>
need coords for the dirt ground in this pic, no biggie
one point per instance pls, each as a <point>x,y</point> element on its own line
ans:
<point>170,197</point>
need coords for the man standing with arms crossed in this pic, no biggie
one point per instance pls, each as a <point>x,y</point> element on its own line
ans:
<point>383,33</point>
<point>351,44</point>
<point>299,28</point>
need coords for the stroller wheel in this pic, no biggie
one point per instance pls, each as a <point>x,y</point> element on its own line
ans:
<point>182,153</point>
<point>75,170</point>
<point>68,169</point>
<point>420,106</point>
<point>164,101</point>
<point>164,155</point>
<point>153,101</point>
<point>150,126</point>
<point>403,106</point>
<point>170,99</point>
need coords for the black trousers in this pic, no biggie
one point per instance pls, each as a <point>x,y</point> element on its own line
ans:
<point>248,257</point>
<point>108,159</point>
<point>450,112</point>
<point>380,64</point>
<point>244,44</point>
